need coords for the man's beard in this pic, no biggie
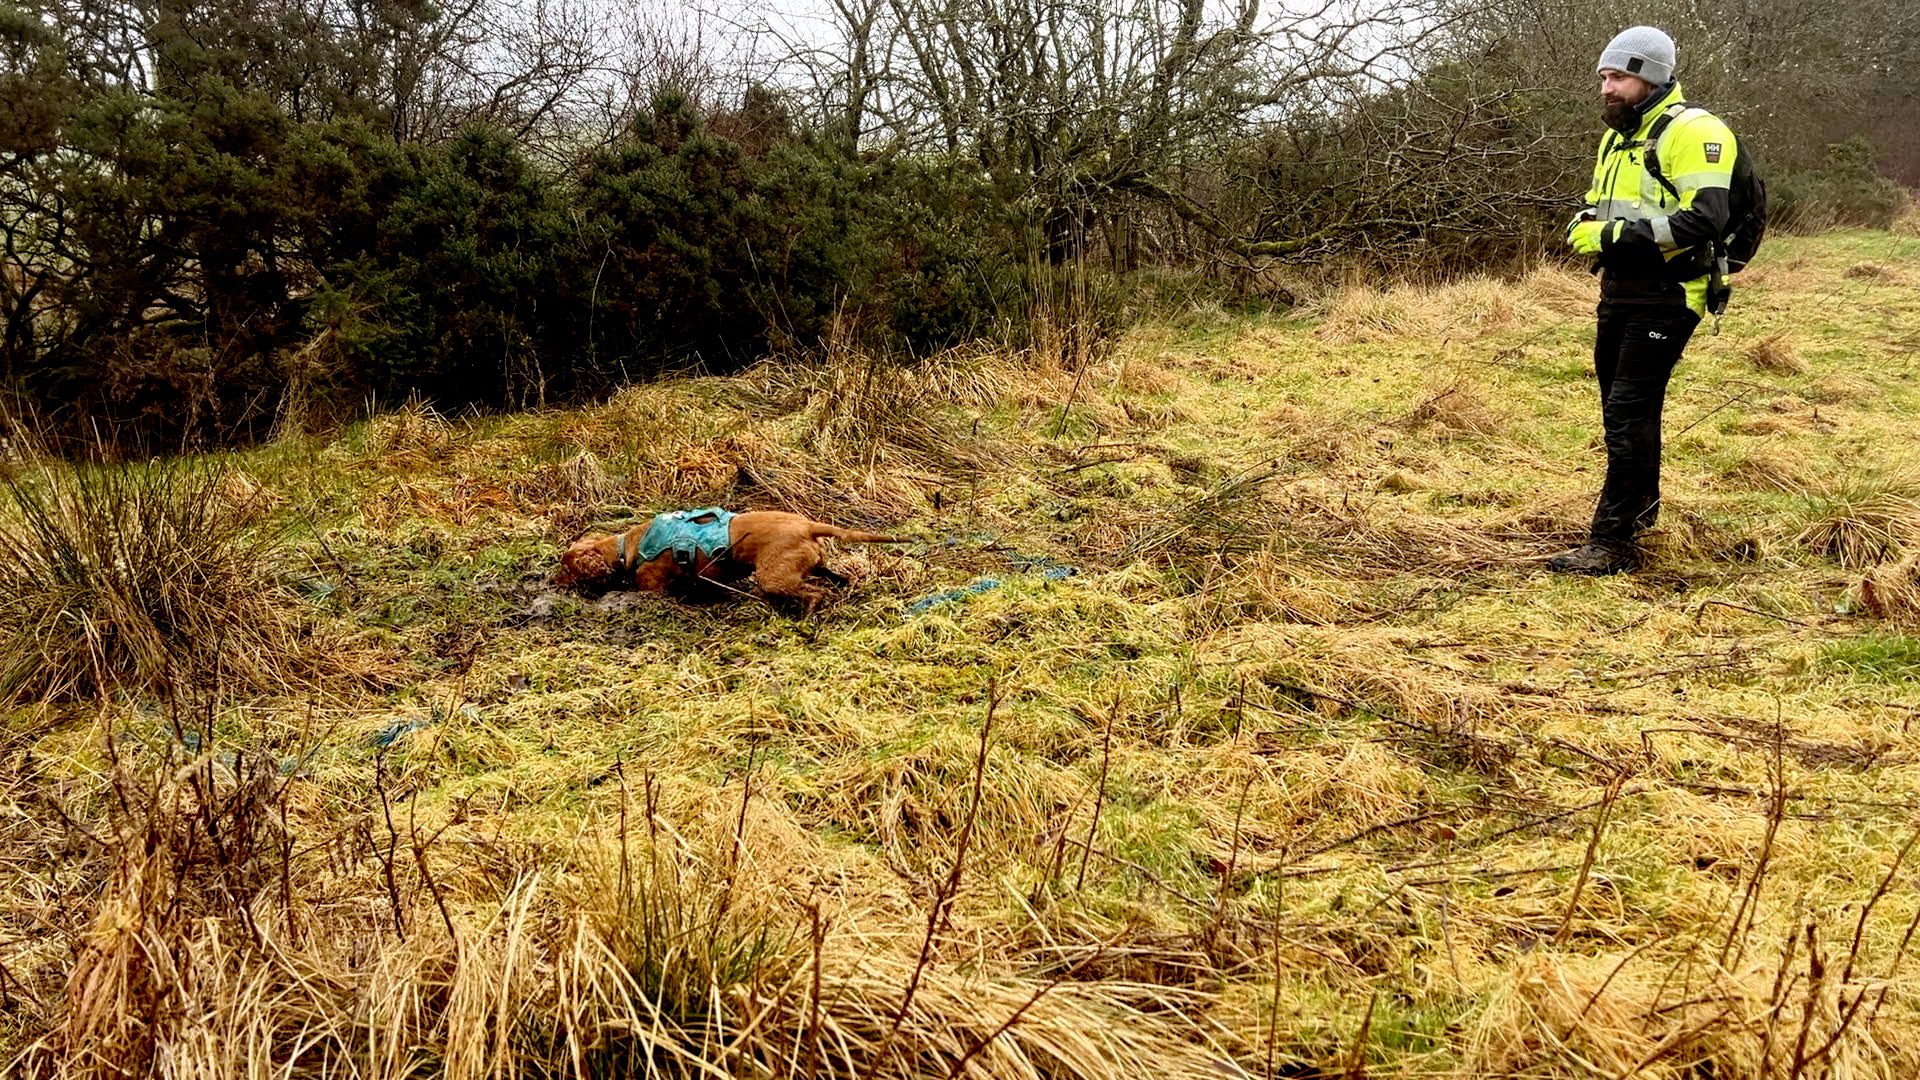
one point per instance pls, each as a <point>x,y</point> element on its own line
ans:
<point>1621,116</point>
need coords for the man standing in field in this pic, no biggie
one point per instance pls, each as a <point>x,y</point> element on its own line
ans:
<point>1658,203</point>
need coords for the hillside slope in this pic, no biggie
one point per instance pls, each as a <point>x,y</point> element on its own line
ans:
<point>1220,721</point>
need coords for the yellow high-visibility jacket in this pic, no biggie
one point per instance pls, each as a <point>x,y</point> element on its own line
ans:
<point>1657,246</point>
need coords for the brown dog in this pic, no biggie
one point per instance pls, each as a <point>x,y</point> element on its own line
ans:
<point>780,550</point>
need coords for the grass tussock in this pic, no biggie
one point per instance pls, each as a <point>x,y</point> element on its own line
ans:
<point>414,433</point>
<point>643,950</point>
<point>1864,522</point>
<point>1463,310</point>
<point>1775,355</point>
<point>247,497</point>
<point>1685,536</point>
<point>844,435</point>
<point>137,576</point>
<point>1803,1011</point>
<point>581,479</point>
<point>1272,587</point>
<point>1907,222</point>
<point>861,410</point>
<point>1766,467</point>
<point>1891,592</point>
<point>1458,406</point>
<point>856,434</point>
<point>642,423</point>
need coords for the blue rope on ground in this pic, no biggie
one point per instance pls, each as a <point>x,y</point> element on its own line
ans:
<point>396,731</point>
<point>1050,569</point>
<point>928,603</point>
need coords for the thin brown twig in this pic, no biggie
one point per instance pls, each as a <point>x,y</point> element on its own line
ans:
<point>1586,861</point>
<point>1816,982</point>
<point>1594,998</point>
<point>426,874</point>
<point>944,892</point>
<point>1866,910</point>
<point>818,939</point>
<point>1357,1060</point>
<point>1233,862</point>
<point>1777,999</point>
<point>1273,1005</point>
<point>393,842</point>
<point>1099,798</point>
<point>739,830</point>
<point>1033,999</point>
<point>1446,929</point>
<point>1714,602</point>
<point>1748,908</point>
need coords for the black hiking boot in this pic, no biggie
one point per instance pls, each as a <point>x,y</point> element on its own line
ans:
<point>1597,560</point>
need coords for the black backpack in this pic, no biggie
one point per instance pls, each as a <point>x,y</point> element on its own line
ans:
<point>1747,196</point>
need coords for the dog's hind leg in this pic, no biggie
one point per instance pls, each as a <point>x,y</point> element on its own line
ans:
<point>832,575</point>
<point>786,575</point>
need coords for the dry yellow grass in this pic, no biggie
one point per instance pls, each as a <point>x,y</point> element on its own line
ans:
<point>1465,310</point>
<point>1458,406</point>
<point>1862,522</point>
<point>1305,769</point>
<point>1775,355</point>
<point>415,432</point>
<point>1908,221</point>
<point>1891,592</point>
<point>650,954</point>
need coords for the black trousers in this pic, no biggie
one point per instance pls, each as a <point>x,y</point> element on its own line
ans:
<point>1634,356</point>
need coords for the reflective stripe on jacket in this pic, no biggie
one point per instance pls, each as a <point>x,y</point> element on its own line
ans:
<point>1656,246</point>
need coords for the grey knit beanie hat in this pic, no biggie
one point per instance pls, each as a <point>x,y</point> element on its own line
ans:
<point>1642,51</point>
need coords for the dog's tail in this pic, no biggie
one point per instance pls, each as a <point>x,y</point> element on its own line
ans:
<point>854,536</point>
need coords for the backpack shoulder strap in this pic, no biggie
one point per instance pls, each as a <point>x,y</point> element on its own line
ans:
<point>1660,124</point>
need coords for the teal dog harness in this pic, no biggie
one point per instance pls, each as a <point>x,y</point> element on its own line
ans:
<point>687,533</point>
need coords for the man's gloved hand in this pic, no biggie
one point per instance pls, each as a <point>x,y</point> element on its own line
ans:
<point>1585,236</point>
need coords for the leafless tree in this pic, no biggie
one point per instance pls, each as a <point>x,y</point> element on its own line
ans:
<point>422,70</point>
<point>1132,111</point>
<point>1793,73</point>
